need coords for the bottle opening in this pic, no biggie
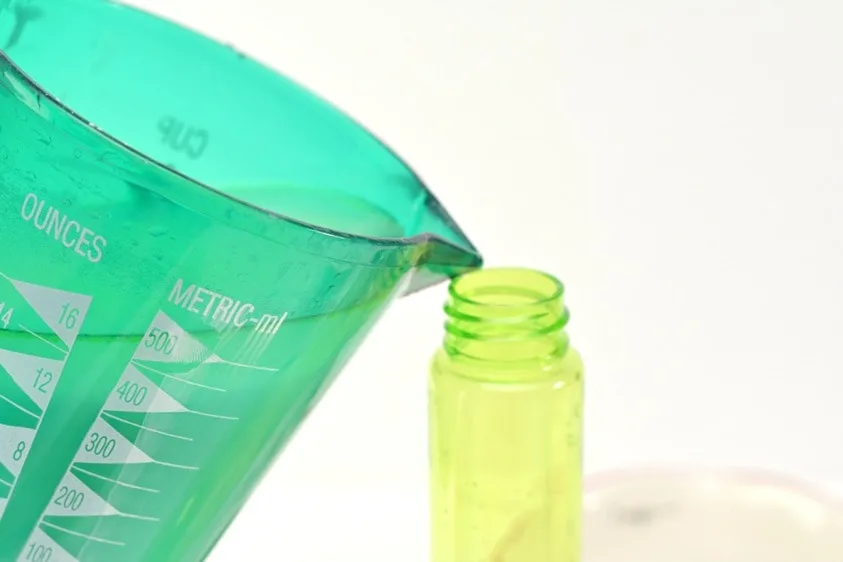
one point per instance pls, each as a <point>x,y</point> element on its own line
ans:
<point>506,288</point>
<point>506,315</point>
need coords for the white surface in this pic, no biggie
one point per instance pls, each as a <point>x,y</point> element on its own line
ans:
<point>676,163</point>
<point>702,516</point>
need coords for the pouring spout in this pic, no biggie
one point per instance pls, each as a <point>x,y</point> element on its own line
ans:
<point>447,251</point>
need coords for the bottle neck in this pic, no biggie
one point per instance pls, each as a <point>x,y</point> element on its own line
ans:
<point>506,316</point>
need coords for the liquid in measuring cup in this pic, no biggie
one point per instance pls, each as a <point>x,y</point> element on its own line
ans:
<point>111,445</point>
<point>125,449</point>
<point>330,209</point>
<point>32,365</point>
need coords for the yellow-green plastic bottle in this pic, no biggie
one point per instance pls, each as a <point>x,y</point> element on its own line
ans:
<point>506,394</point>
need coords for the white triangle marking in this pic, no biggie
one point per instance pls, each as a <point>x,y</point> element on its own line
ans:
<point>39,542</point>
<point>36,376</point>
<point>167,342</point>
<point>15,443</point>
<point>140,395</point>
<point>74,498</point>
<point>3,502</point>
<point>105,445</point>
<point>50,303</point>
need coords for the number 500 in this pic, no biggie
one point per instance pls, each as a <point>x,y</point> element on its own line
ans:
<point>161,341</point>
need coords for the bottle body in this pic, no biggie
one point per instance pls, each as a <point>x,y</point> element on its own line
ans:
<point>505,449</point>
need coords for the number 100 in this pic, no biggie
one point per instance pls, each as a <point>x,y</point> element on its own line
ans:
<point>39,553</point>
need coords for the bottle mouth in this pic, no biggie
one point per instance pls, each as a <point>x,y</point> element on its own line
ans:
<point>505,315</point>
<point>501,288</point>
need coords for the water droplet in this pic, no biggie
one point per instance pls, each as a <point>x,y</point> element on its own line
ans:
<point>43,137</point>
<point>112,158</point>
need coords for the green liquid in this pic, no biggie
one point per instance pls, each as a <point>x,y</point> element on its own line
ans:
<point>328,209</point>
<point>197,427</point>
<point>204,460</point>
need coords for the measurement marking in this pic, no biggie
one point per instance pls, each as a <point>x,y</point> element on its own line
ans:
<point>191,350</point>
<point>19,407</point>
<point>179,379</point>
<point>214,416</point>
<point>42,338</point>
<point>254,345</point>
<point>145,428</point>
<point>254,367</point>
<point>178,466</point>
<point>81,536</point>
<point>63,313</point>
<point>39,418</point>
<point>3,482</point>
<point>113,481</point>
<point>139,517</point>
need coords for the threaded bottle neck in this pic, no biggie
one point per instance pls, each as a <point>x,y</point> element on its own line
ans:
<point>506,316</point>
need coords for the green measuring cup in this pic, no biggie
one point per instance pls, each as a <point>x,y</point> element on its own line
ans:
<point>193,246</point>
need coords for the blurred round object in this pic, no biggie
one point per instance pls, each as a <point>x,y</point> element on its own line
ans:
<point>709,516</point>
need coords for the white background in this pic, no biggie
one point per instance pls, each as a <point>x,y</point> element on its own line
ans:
<point>677,164</point>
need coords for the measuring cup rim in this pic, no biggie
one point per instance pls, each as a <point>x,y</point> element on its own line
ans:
<point>393,243</point>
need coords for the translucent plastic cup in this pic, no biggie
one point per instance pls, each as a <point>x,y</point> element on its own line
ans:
<point>193,247</point>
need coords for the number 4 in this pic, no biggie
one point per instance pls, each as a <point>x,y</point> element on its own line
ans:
<point>7,315</point>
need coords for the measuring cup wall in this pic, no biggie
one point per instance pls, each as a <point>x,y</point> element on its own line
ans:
<point>160,341</point>
<point>189,460</point>
<point>145,392</point>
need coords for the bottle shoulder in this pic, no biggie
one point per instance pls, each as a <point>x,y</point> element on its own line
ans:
<point>567,366</point>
